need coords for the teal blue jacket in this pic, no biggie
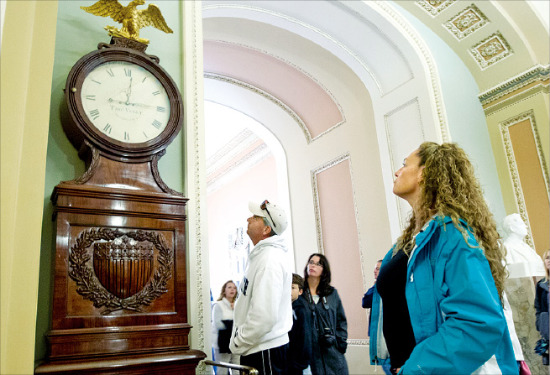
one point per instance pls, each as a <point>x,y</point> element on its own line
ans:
<point>456,313</point>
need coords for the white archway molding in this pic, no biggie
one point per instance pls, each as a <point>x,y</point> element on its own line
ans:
<point>223,93</point>
<point>356,138</point>
<point>268,96</point>
<point>379,46</point>
<point>313,105</point>
<point>367,210</point>
<point>321,27</point>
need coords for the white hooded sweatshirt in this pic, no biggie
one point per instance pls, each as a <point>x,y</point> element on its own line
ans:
<point>263,310</point>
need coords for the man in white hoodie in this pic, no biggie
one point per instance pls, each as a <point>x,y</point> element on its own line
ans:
<point>263,310</point>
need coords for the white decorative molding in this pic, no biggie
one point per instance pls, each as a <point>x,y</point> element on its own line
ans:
<point>357,221</point>
<point>379,31</point>
<point>514,100</point>
<point>199,333</point>
<point>233,147</point>
<point>241,165</point>
<point>411,109</point>
<point>406,28</point>
<point>466,22</point>
<point>299,69</point>
<point>432,67</point>
<point>434,7</point>
<point>361,342</point>
<point>266,95</point>
<point>513,168</point>
<point>316,204</point>
<point>538,74</point>
<point>302,24</point>
<point>491,50</point>
<point>403,141</point>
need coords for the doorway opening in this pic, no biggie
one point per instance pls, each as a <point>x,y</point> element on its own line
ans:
<point>244,163</point>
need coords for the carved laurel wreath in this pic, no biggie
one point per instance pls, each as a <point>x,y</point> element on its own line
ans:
<point>89,286</point>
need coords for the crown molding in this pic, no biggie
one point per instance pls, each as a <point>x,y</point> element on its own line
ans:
<point>538,74</point>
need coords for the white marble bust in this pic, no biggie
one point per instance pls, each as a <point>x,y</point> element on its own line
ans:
<point>521,259</point>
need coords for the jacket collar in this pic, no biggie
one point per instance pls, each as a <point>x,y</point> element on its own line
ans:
<point>427,232</point>
<point>429,228</point>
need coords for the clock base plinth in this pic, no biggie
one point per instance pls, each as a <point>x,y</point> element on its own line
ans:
<point>96,342</point>
<point>165,363</point>
<point>120,297</point>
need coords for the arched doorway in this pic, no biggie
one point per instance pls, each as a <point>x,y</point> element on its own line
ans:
<point>245,162</point>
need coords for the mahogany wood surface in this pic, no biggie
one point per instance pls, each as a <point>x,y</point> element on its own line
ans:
<point>120,282</point>
<point>168,363</point>
<point>141,338</point>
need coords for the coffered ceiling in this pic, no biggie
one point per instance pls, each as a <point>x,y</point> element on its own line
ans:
<point>497,40</point>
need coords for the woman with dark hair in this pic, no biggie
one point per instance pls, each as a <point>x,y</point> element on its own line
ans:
<point>437,304</point>
<point>329,324</point>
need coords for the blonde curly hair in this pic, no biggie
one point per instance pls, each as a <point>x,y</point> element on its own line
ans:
<point>449,187</point>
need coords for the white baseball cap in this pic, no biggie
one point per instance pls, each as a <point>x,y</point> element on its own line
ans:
<point>274,215</point>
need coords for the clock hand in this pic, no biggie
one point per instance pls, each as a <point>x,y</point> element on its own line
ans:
<point>141,105</point>
<point>111,100</point>
<point>128,91</point>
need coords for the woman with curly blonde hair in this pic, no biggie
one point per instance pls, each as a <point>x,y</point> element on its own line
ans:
<point>441,284</point>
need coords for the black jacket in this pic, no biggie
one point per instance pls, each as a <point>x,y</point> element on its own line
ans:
<point>541,307</point>
<point>328,320</point>
<point>299,346</point>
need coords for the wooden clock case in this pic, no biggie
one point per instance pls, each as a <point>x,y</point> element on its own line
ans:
<point>120,281</point>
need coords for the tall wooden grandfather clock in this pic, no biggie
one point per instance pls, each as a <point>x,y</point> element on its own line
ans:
<point>120,291</point>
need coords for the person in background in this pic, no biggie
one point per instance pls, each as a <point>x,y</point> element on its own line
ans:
<point>541,308</point>
<point>299,346</point>
<point>440,287</point>
<point>366,303</point>
<point>329,331</point>
<point>367,298</point>
<point>263,311</point>
<point>222,324</point>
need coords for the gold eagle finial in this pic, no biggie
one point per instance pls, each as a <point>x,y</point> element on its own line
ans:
<point>131,18</point>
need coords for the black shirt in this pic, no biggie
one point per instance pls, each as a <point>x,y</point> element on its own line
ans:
<point>299,344</point>
<point>397,327</point>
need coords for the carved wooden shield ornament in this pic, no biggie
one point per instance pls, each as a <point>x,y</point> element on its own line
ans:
<point>123,276</point>
<point>123,266</point>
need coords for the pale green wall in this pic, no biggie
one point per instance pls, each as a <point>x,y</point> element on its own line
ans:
<point>79,33</point>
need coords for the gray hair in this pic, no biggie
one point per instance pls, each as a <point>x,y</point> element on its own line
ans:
<point>267,224</point>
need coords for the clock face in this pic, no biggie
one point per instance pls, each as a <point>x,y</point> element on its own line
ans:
<point>125,101</point>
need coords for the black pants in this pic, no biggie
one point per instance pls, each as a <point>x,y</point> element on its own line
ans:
<point>268,362</point>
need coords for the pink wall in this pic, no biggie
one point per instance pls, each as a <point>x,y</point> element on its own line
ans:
<point>310,102</point>
<point>341,243</point>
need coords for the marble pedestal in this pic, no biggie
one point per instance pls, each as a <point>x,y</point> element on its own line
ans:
<point>521,295</point>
